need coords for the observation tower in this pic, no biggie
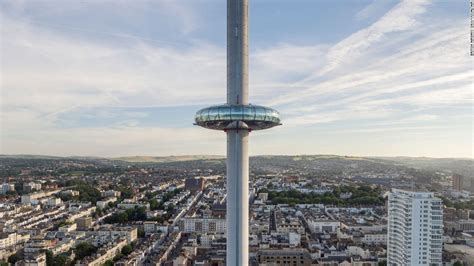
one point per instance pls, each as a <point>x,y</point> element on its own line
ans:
<point>237,118</point>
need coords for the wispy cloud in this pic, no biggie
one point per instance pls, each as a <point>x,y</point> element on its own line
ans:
<point>400,70</point>
<point>401,18</point>
<point>371,9</point>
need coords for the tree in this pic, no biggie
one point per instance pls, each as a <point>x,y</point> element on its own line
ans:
<point>383,263</point>
<point>458,263</point>
<point>125,192</point>
<point>127,250</point>
<point>11,193</point>
<point>84,249</point>
<point>98,212</point>
<point>65,197</point>
<point>61,260</point>
<point>154,204</point>
<point>135,214</point>
<point>141,233</point>
<point>3,263</point>
<point>109,263</point>
<point>13,259</point>
<point>87,191</point>
<point>170,208</point>
<point>117,257</point>
<point>49,258</point>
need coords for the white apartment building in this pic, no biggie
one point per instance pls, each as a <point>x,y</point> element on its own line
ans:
<point>5,187</point>
<point>8,240</point>
<point>33,198</point>
<point>202,225</point>
<point>110,193</point>
<point>53,202</point>
<point>101,204</point>
<point>152,227</point>
<point>415,228</point>
<point>318,226</point>
<point>375,239</point>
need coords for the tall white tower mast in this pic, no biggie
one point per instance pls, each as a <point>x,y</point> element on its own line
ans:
<point>237,139</point>
<point>237,118</point>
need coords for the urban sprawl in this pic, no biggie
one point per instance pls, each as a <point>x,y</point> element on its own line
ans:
<point>304,210</point>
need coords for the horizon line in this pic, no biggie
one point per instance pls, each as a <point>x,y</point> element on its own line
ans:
<point>224,156</point>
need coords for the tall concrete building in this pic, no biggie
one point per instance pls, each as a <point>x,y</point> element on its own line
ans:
<point>237,118</point>
<point>415,228</point>
<point>457,182</point>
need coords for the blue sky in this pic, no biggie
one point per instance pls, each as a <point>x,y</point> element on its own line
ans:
<point>116,78</point>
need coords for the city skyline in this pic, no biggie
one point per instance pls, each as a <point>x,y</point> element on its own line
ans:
<point>121,79</point>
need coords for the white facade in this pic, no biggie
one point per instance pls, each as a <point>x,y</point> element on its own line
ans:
<point>33,198</point>
<point>101,204</point>
<point>68,228</point>
<point>7,187</point>
<point>323,226</point>
<point>375,239</point>
<point>150,227</point>
<point>110,193</point>
<point>415,228</point>
<point>52,202</point>
<point>202,225</point>
<point>11,239</point>
<point>36,260</point>
<point>263,196</point>
<point>129,233</point>
<point>32,186</point>
<point>206,240</point>
<point>294,239</point>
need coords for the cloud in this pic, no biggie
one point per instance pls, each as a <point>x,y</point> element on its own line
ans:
<point>400,18</point>
<point>370,10</point>
<point>59,72</point>
<point>395,71</point>
<point>115,141</point>
<point>431,65</point>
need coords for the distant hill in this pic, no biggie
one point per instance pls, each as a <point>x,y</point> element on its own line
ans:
<point>30,156</point>
<point>166,159</point>
<point>319,163</point>
<point>462,166</point>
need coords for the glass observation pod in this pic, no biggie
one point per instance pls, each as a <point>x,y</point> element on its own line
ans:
<point>220,117</point>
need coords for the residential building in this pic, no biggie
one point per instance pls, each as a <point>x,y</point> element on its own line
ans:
<point>194,184</point>
<point>415,228</point>
<point>6,187</point>
<point>84,223</point>
<point>457,182</point>
<point>101,204</point>
<point>202,225</point>
<point>284,257</point>
<point>31,186</point>
<point>110,193</point>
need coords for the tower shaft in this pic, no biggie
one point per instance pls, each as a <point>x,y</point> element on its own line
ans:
<point>237,52</point>
<point>237,198</point>
<point>237,139</point>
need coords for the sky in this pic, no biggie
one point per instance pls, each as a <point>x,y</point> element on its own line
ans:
<point>123,78</point>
